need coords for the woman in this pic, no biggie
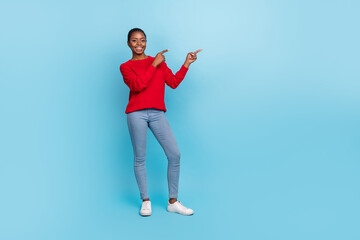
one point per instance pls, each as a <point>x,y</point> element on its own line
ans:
<point>146,77</point>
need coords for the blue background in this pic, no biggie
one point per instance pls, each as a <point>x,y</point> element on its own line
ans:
<point>267,120</point>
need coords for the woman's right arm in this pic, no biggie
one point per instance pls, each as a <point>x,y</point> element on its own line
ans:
<point>138,83</point>
<point>134,82</point>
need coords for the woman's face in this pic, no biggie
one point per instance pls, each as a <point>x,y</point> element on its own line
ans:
<point>137,43</point>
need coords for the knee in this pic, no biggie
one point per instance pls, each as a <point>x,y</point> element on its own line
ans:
<point>174,157</point>
<point>139,161</point>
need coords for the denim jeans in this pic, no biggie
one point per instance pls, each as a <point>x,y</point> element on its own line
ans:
<point>138,123</point>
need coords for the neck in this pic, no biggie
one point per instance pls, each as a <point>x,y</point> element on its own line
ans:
<point>139,57</point>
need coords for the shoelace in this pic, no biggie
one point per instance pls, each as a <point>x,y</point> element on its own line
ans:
<point>183,205</point>
<point>147,205</point>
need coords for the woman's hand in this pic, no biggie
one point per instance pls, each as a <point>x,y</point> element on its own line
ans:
<point>190,58</point>
<point>159,58</point>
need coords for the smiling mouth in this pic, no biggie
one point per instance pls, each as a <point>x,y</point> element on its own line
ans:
<point>138,48</point>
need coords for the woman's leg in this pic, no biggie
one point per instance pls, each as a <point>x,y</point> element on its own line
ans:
<point>161,129</point>
<point>138,124</point>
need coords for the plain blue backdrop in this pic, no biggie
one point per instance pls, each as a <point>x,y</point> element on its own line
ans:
<point>267,120</point>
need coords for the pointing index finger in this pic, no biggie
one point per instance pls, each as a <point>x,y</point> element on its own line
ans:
<point>198,51</point>
<point>164,51</point>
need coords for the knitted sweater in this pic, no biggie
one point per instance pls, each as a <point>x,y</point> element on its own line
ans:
<point>147,83</point>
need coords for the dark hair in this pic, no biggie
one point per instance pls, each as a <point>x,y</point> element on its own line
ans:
<point>135,30</point>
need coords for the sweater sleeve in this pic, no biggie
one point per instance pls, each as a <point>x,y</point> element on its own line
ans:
<point>133,81</point>
<point>174,80</point>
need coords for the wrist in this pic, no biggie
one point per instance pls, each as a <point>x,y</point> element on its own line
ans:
<point>186,64</point>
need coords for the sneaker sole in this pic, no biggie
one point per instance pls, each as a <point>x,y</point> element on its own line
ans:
<point>181,213</point>
<point>145,215</point>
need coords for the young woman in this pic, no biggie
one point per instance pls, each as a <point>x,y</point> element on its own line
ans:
<point>146,77</point>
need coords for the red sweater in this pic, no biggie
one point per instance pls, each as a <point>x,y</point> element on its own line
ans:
<point>147,83</point>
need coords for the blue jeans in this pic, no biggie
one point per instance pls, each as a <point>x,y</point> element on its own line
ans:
<point>138,123</point>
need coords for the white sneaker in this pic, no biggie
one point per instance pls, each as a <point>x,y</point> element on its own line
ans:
<point>179,208</point>
<point>145,208</point>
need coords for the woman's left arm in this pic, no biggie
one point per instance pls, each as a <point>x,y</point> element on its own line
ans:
<point>174,80</point>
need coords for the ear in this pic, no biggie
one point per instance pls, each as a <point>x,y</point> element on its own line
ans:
<point>128,43</point>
